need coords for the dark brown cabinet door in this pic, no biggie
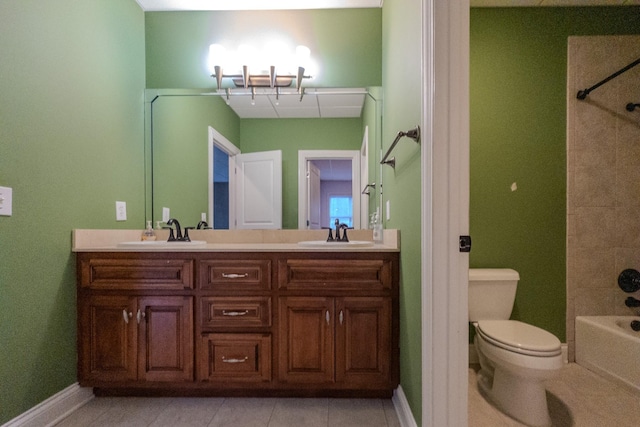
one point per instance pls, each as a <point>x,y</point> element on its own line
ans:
<point>363,341</point>
<point>108,339</point>
<point>306,339</point>
<point>166,339</point>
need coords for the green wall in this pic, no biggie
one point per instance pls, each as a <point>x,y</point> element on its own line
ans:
<point>401,77</point>
<point>71,144</point>
<point>518,135</point>
<point>344,42</point>
<point>180,152</point>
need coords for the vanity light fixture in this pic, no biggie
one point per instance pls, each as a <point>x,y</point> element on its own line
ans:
<point>250,70</point>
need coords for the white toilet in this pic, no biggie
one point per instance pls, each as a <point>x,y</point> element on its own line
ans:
<point>515,358</point>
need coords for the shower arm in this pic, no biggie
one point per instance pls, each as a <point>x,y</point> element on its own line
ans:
<point>582,94</point>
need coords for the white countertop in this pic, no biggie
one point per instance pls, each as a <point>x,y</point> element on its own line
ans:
<point>232,241</point>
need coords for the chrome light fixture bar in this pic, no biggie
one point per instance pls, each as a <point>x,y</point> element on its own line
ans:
<point>246,79</point>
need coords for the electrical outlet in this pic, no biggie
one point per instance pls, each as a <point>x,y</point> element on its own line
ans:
<point>203,216</point>
<point>6,196</point>
<point>121,211</point>
<point>166,215</point>
<point>388,210</point>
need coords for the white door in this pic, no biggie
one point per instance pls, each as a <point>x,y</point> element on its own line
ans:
<point>313,190</point>
<point>258,190</point>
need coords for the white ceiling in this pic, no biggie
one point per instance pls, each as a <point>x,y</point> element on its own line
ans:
<point>160,5</point>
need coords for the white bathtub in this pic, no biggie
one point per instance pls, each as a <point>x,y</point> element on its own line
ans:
<point>608,346</point>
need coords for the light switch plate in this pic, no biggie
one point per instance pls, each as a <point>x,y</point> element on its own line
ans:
<point>121,211</point>
<point>6,202</point>
<point>388,210</point>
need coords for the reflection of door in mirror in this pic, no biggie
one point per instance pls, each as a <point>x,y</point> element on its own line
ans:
<point>221,205</point>
<point>220,189</point>
<point>313,190</point>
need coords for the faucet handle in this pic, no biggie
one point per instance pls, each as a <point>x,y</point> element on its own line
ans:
<point>171,238</point>
<point>330,238</point>
<point>185,237</point>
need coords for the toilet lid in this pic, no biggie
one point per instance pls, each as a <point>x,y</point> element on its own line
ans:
<point>519,337</point>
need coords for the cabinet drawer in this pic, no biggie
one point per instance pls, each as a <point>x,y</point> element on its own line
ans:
<point>235,357</point>
<point>103,273</point>
<point>334,274</point>
<point>233,275</point>
<point>216,312</point>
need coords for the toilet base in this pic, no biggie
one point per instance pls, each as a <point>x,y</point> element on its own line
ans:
<point>524,399</point>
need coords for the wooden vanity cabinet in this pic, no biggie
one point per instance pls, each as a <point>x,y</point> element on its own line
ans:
<point>127,332</point>
<point>234,320</point>
<point>239,323</point>
<point>336,322</point>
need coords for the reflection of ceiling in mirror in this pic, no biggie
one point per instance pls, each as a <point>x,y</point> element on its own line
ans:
<point>156,5</point>
<point>316,103</point>
<point>334,169</point>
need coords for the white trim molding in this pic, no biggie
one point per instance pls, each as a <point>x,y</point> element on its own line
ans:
<point>402,408</point>
<point>54,409</point>
<point>445,212</point>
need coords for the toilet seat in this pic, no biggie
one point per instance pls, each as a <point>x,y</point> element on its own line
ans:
<point>519,337</point>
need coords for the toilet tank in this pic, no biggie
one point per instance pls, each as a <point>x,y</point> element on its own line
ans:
<point>492,292</point>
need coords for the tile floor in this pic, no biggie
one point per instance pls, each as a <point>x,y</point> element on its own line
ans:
<point>576,398</point>
<point>233,412</point>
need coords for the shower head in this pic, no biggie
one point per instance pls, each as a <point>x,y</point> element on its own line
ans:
<point>631,106</point>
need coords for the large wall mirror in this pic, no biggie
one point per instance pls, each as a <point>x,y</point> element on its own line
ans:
<point>183,171</point>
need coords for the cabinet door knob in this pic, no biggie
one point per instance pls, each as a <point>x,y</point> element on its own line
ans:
<point>326,316</point>
<point>341,317</point>
<point>126,316</point>
<point>140,315</point>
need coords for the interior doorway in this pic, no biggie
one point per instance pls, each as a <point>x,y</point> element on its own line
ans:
<point>328,188</point>
<point>221,205</point>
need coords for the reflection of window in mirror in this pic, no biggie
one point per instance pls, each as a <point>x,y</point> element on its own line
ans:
<point>341,208</point>
<point>220,189</point>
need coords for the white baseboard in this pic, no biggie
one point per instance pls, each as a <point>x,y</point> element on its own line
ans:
<point>54,409</point>
<point>473,354</point>
<point>403,410</point>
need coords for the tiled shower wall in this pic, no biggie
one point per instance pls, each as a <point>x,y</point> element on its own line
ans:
<point>603,177</point>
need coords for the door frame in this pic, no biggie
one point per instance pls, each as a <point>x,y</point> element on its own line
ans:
<point>445,212</point>
<point>309,155</point>
<point>215,138</point>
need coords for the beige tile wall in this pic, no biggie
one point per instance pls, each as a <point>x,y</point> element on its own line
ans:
<point>603,176</point>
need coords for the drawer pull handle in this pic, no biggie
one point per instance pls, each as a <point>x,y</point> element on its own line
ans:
<point>235,313</point>
<point>126,316</point>
<point>326,316</point>
<point>225,360</point>
<point>341,317</point>
<point>234,275</point>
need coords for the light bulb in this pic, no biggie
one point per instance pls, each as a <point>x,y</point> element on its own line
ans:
<point>217,56</point>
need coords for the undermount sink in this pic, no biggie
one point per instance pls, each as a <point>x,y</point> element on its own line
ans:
<point>161,244</point>
<point>334,244</point>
